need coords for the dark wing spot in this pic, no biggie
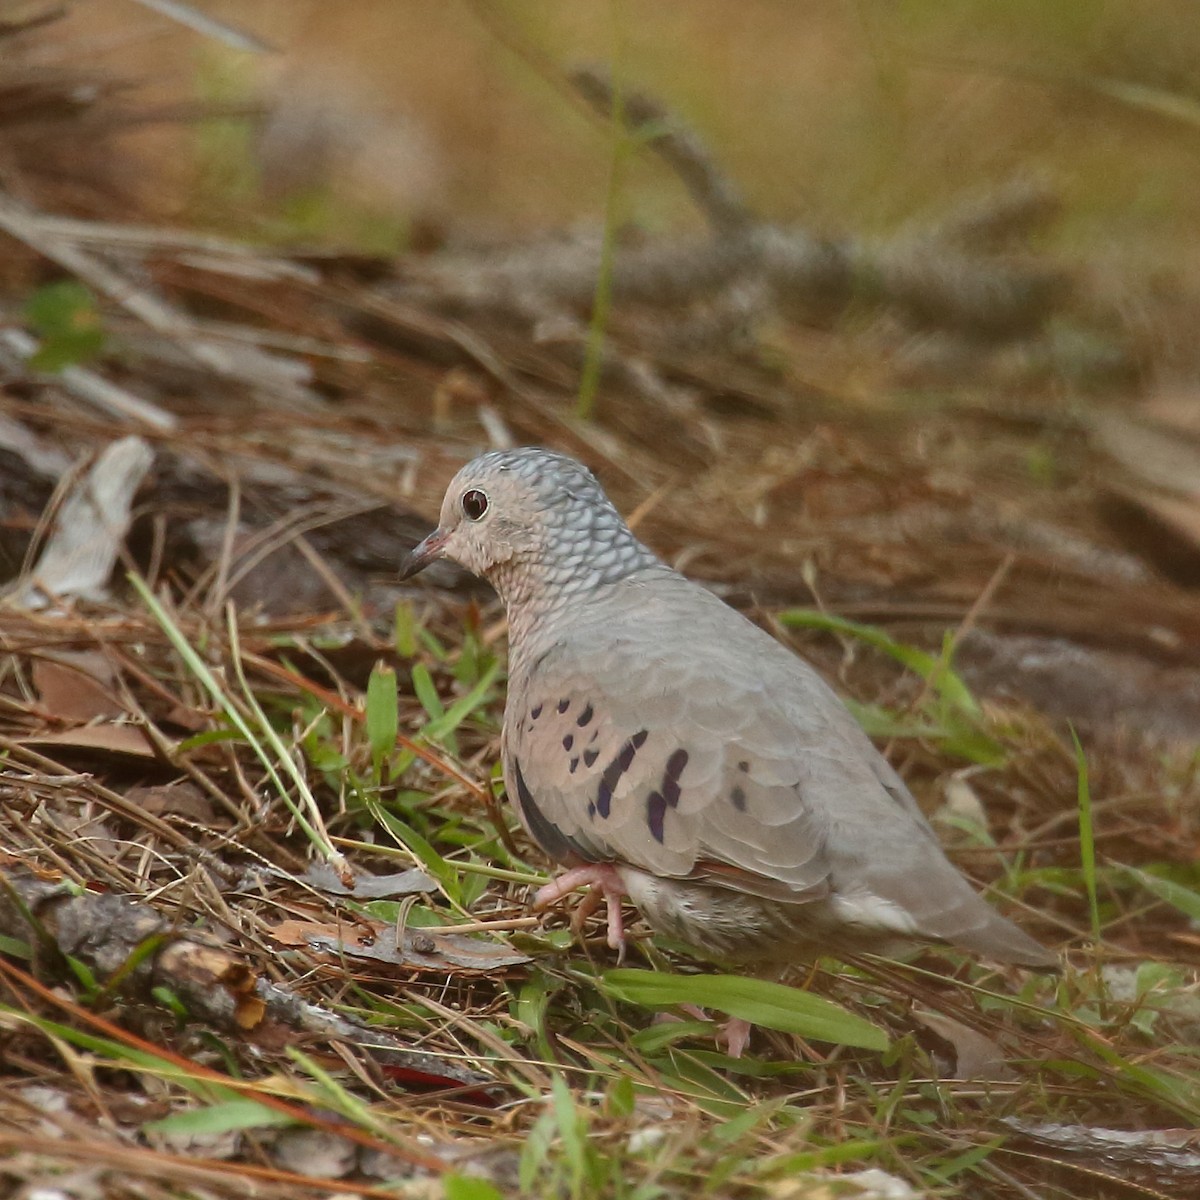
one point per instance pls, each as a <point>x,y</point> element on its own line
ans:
<point>604,798</point>
<point>563,705</point>
<point>545,833</point>
<point>591,811</point>
<point>738,799</point>
<point>670,783</point>
<point>744,767</point>
<point>617,768</point>
<point>568,741</point>
<point>656,813</point>
<point>676,763</point>
<point>574,764</point>
<point>590,756</point>
<point>535,711</point>
<point>584,717</point>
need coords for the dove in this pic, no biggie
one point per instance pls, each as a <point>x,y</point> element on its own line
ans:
<point>662,747</point>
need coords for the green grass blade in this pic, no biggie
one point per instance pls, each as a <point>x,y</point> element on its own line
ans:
<point>404,631</point>
<point>313,829</point>
<point>1186,899</point>
<point>934,668</point>
<point>439,727</point>
<point>772,1005</point>
<point>426,692</point>
<point>219,1118</point>
<point>1087,839</point>
<point>382,715</point>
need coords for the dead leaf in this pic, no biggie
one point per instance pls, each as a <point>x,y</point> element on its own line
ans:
<point>91,526</point>
<point>111,739</point>
<point>323,878</point>
<point>976,1056</point>
<point>180,799</point>
<point>77,687</point>
<point>369,887</point>
<point>296,933</point>
<point>94,830</point>
<point>377,942</point>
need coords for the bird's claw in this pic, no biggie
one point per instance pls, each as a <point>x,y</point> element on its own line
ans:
<point>733,1034</point>
<point>605,886</point>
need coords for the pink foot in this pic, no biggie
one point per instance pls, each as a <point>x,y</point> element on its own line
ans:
<point>733,1034</point>
<point>606,885</point>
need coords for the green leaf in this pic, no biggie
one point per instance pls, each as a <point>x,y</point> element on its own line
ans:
<point>1183,898</point>
<point>439,727</point>
<point>383,714</point>
<point>169,1000</point>
<point>84,974</point>
<point>755,1115</point>
<point>426,692</point>
<point>404,636</point>
<point>622,1099</point>
<point>468,1187</point>
<point>14,948</point>
<point>881,722</point>
<point>208,738</point>
<point>220,1118</point>
<point>420,849</point>
<point>265,741</point>
<point>432,644</point>
<point>972,744</point>
<point>64,315</point>
<point>788,1166</point>
<point>772,1005</point>
<point>656,1038</point>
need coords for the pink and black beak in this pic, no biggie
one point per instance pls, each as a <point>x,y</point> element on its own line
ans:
<point>430,550</point>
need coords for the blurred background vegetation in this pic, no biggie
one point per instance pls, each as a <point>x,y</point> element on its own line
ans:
<point>380,118</point>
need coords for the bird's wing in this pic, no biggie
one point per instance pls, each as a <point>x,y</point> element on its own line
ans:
<point>683,740</point>
<point>679,738</point>
<point>608,767</point>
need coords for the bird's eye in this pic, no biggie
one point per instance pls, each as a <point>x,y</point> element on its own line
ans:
<point>474,504</point>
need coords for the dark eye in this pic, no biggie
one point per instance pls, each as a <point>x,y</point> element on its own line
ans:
<point>475,503</point>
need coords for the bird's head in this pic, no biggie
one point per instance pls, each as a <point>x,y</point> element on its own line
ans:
<point>528,512</point>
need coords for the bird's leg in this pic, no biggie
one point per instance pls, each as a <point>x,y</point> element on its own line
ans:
<point>733,1034</point>
<point>606,885</point>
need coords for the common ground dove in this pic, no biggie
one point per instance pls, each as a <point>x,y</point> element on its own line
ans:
<point>662,746</point>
